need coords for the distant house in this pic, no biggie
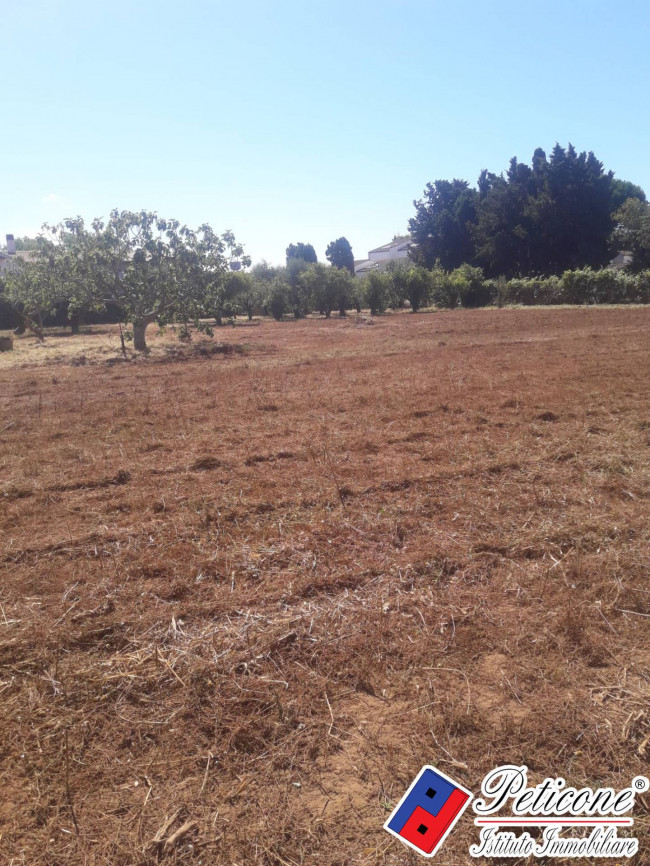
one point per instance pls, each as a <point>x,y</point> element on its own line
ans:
<point>622,260</point>
<point>7,259</point>
<point>362,267</point>
<point>6,262</point>
<point>398,249</point>
<point>380,256</point>
<point>11,257</point>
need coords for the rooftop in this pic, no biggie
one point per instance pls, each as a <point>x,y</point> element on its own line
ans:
<point>401,244</point>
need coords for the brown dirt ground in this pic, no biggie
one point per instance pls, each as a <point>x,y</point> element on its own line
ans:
<point>257,591</point>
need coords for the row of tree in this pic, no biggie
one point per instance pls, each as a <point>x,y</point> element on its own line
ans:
<point>558,213</point>
<point>302,288</point>
<point>142,269</point>
<point>537,234</point>
<point>146,269</point>
<point>467,286</point>
<point>164,273</point>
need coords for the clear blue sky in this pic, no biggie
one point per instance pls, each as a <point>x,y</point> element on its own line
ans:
<point>304,121</point>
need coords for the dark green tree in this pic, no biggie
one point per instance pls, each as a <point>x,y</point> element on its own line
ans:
<point>302,252</point>
<point>622,190</point>
<point>543,218</point>
<point>504,229</point>
<point>441,225</point>
<point>339,254</point>
<point>298,297</point>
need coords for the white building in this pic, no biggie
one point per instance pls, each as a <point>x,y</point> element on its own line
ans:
<point>7,260</point>
<point>622,260</point>
<point>10,258</point>
<point>380,256</point>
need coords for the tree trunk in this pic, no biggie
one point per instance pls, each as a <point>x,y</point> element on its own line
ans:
<point>28,323</point>
<point>342,312</point>
<point>328,313</point>
<point>218,319</point>
<point>250,314</point>
<point>76,321</point>
<point>357,305</point>
<point>139,341</point>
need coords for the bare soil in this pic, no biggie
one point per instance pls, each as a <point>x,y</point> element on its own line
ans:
<point>247,593</point>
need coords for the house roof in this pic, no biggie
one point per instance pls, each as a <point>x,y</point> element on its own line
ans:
<point>364,265</point>
<point>25,255</point>
<point>621,260</point>
<point>402,244</point>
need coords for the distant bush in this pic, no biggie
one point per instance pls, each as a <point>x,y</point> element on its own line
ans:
<point>444,292</point>
<point>409,283</point>
<point>586,286</point>
<point>277,300</point>
<point>473,289</point>
<point>378,291</point>
<point>531,291</point>
<point>466,286</point>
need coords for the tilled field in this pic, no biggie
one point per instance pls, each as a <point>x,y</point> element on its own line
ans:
<point>245,595</point>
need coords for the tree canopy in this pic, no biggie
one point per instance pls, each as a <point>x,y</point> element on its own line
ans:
<point>339,254</point>
<point>303,252</point>
<point>632,232</point>
<point>152,269</point>
<point>543,218</point>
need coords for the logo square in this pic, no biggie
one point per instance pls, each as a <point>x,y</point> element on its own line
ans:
<point>428,810</point>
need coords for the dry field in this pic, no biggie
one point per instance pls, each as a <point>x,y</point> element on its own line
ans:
<point>246,595</point>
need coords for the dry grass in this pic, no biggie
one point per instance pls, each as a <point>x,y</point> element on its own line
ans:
<point>246,596</point>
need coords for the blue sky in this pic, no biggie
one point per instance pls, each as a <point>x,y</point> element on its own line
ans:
<point>304,121</point>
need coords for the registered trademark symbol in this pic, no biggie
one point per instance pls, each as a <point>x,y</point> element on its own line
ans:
<point>641,783</point>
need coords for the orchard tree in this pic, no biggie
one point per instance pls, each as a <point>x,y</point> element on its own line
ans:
<point>134,260</point>
<point>35,287</point>
<point>155,270</point>
<point>276,299</point>
<point>343,288</point>
<point>205,281</point>
<point>414,284</point>
<point>318,288</point>
<point>378,290</point>
<point>263,276</point>
<point>298,299</point>
<point>245,292</point>
<point>76,285</point>
<point>328,288</point>
<point>339,254</point>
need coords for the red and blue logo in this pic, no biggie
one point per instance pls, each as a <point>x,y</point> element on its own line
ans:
<point>426,813</point>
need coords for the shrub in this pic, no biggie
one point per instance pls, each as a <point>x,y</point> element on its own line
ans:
<point>473,289</point>
<point>444,292</point>
<point>377,292</point>
<point>277,299</point>
<point>418,287</point>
